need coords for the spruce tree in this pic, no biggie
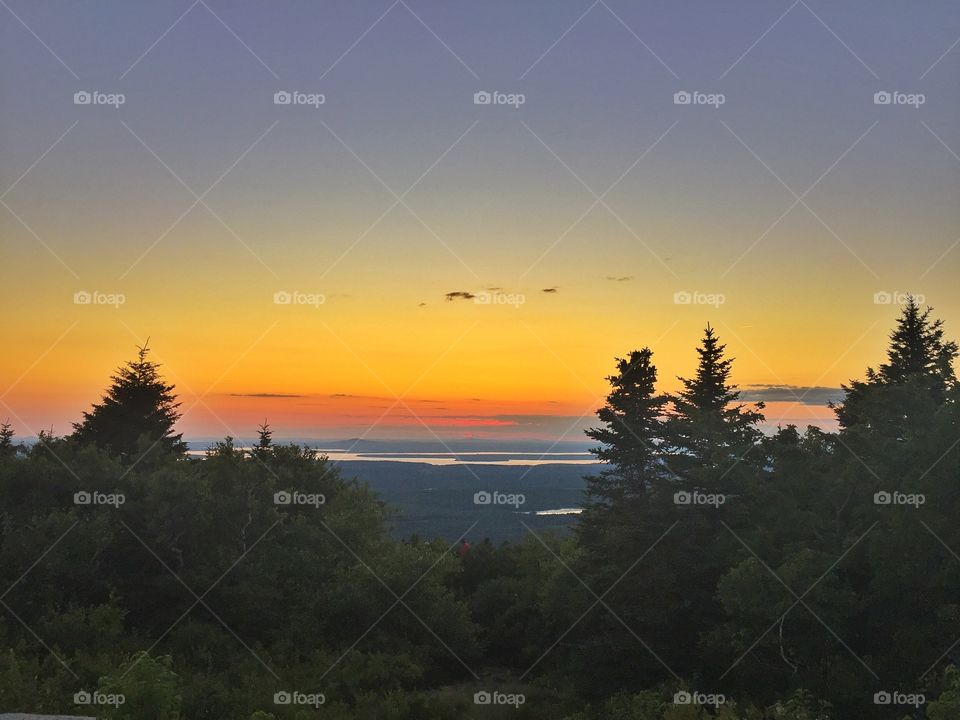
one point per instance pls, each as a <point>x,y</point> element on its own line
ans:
<point>631,432</point>
<point>917,376</point>
<point>264,447</point>
<point>7,448</point>
<point>628,509</point>
<point>137,406</point>
<point>917,348</point>
<point>709,430</point>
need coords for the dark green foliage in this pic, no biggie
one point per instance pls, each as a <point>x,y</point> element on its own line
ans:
<point>285,589</point>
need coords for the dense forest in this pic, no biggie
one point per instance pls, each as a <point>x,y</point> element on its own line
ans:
<point>716,571</point>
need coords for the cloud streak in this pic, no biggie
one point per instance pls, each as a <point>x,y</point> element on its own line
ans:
<point>809,395</point>
<point>267,395</point>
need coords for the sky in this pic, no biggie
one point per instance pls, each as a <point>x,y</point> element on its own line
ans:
<point>387,255</point>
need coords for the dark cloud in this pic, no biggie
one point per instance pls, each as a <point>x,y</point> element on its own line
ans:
<point>551,289</point>
<point>808,395</point>
<point>422,305</point>
<point>266,395</point>
<point>619,278</point>
<point>459,295</point>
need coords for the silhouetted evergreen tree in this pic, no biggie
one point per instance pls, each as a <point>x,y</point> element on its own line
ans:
<point>137,406</point>
<point>6,439</point>
<point>619,509</point>
<point>918,360</point>
<point>917,347</point>
<point>708,430</point>
<point>264,447</point>
<point>632,431</point>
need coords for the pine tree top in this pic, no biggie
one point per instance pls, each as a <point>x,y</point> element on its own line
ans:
<point>138,403</point>
<point>917,348</point>
<point>709,388</point>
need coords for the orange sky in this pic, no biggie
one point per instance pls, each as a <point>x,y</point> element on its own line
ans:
<point>453,368</point>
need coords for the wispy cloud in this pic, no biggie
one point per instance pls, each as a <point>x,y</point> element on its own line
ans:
<point>267,395</point>
<point>551,290</point>
<point>459,295</point>
<point>619,278</point>
<point>809,395</point>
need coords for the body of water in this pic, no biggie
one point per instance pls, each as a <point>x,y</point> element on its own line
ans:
<point>506,458</point>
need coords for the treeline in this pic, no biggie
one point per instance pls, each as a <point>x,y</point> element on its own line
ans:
<point>715,572</point>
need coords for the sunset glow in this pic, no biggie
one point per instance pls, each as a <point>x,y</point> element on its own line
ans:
<point>387,218</point>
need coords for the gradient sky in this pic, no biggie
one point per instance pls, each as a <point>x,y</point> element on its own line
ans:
<point>399,190</point>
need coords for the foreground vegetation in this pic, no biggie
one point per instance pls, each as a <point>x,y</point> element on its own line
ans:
<point>715,572</point>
